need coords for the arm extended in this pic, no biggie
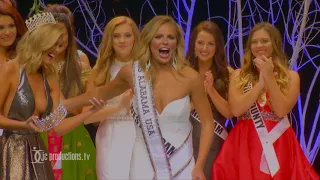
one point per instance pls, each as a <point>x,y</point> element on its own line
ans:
<point>120,84</point>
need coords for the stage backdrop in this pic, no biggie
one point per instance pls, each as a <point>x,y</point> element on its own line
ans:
<point>298,20</point>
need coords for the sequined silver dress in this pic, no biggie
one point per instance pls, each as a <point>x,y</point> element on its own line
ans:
<point>21,150</point>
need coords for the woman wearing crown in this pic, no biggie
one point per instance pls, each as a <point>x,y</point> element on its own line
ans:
<point>29,102</point>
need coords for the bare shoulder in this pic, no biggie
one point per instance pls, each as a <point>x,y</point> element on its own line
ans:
<point>294,75</point>
<point>192,77</point>
<point>190,73</point>
<point>294,79</point>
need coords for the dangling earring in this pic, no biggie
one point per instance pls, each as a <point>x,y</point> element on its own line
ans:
<point>148,65</point>
<point>174,63</point>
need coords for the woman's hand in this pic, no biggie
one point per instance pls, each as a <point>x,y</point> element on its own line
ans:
<point>97,104</point>
<point>198,174</point>
<point>30,124</point>
<point>265,65</point>
<point>208,82</point>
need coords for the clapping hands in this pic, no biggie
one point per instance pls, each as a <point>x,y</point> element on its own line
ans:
<point>264,64</point>
<point>265,67</point>
<point>208,82</point>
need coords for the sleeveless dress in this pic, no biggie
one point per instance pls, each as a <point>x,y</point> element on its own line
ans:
<point>175,126</point>
<point>18,148</point>
<point>75,142</point>
<point>216,144</point>
<point>240,156</point>
<point>114,139</point>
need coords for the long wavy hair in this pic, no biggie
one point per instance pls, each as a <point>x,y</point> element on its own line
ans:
<point>249,73</point>
<point>6,9</point>
<point>219,67</point>
<point>106,55</point>
<point>146,36</point>
<point>70,76</point>
<point>33,44</point>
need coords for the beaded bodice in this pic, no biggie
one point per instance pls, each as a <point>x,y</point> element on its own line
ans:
<point>265,109</point>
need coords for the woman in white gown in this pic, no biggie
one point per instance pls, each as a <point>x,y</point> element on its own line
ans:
<point>163,85</point>
<point>116,134</point>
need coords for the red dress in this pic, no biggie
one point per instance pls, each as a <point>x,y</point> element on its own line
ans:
<point>240,156</point>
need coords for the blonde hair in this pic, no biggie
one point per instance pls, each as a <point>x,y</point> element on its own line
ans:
<point>106,53</point>
<point>33,44</point>
<point>250,74</point>
<point>146,36</point>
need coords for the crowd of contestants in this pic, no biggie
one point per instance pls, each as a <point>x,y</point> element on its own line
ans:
<point>46,66</point>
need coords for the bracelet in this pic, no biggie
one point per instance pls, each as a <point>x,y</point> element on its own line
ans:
<point>53,119</point>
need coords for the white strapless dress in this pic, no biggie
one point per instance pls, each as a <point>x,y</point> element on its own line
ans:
<point>175,127</point>
<point>114,141</point>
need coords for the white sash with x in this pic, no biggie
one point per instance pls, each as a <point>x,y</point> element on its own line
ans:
<point>269,163</point>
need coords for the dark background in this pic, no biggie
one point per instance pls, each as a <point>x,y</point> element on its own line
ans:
<point>217,8</point>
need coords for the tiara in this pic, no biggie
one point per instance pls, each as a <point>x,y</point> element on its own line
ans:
<point>53,119</point>
<point>39,20</point>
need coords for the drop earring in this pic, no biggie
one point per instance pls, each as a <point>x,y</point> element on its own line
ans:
<point>148,65</point>
<point>174,63</point>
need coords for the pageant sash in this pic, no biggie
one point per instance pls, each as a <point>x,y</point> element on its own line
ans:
<point>179,157</point>
<point>269,161</point>
<point>218,128</point>
<point>149,124</point>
